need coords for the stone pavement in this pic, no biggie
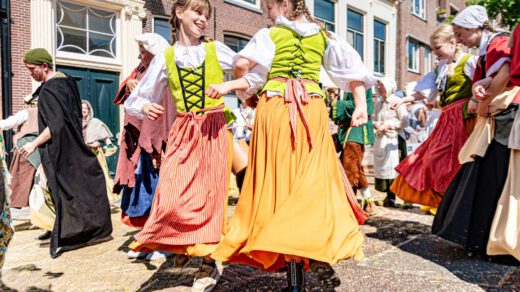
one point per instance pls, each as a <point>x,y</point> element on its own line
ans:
<point>401,255</point>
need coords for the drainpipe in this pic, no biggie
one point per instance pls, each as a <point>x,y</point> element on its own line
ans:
<point>5,33</point>
<point>215,23</point>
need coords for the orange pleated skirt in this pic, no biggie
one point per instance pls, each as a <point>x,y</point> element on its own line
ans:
<point>189,208</point>
<point>293,202</point>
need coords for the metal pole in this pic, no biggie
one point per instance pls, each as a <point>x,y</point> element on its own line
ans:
<point>6,72</point>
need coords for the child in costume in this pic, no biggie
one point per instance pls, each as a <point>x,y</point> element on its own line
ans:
<point>467,209</point>
<point>189,208</point>
<point>425,175</point>
<point>296,203</point>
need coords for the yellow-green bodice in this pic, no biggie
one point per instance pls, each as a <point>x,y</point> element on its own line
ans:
<point>296,56</point>
<point>457,86</point>
<point>188,85</point>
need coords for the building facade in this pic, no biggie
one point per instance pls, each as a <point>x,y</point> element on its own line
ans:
<point>417,19</point>
<point>99,35</point>
<point>370,26</point>
<point>93,41</point>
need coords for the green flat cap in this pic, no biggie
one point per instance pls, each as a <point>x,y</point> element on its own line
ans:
<point>38,56</point>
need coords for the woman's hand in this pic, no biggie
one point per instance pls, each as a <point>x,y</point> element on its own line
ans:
<point>472,106</point>
<point>153,111</point>
<point>480,89</point>
<point>216,91</point>
<point>131,84</point>
<point>394,105</point>
<point>28,149</point>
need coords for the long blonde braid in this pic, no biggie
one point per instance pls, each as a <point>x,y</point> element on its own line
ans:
<point>300,8</point>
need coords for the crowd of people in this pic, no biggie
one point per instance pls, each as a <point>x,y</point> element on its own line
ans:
<point>297,208</point>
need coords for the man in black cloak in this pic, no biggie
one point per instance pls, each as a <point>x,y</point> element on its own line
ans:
<point>74,175</point>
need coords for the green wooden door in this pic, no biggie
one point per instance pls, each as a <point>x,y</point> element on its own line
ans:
<point>99,88</point>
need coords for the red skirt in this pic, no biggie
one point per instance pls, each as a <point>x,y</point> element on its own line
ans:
<point>188,210</point>
<point>430,169</point>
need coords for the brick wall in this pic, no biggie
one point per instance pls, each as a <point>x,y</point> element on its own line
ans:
<point>20,43</point>
<point>156,7</point>
<point>411,26</point>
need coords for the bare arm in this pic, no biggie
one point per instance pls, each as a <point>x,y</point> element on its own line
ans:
<point>30,147</point>
<point>500,81</point>
<point>414,97</point>
<point>359,117</point>
<point>242,67</point>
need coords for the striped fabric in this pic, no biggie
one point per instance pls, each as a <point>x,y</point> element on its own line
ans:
<point>190,200</point>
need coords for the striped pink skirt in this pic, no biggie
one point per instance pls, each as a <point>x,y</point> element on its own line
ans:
<point>188,210</point>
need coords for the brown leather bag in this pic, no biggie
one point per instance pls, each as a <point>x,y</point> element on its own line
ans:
<point>240,153</point>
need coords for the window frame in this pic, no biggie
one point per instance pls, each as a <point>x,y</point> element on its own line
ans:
<point>235,35</point>
<point>255,7</point>
<point>87,57</point>
<point>162,17</point>
<point>427,66</point>
<point>228,75</point>
<point>325,21</point>
<point>422,9</point>
<point>415,56</point>
<point>356,33</point>
<point>377,54</point>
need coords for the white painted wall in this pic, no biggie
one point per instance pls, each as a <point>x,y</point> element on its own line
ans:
<point>381,10</point>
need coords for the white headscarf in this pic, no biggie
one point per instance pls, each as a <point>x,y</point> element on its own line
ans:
<point>389,84</point>
<point>472,17</point>
<point>153,43</point>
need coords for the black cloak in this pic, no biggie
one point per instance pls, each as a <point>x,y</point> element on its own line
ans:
<point>74,175</point>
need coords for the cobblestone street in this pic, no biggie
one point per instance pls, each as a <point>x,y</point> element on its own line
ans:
<point>400,255</point>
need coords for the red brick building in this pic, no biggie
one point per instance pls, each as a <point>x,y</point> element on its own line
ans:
<point>416,21</point>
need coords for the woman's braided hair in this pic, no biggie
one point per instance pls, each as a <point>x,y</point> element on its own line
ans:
<point>487,26</point>
<point>198,5</point>
<point>300,8</point>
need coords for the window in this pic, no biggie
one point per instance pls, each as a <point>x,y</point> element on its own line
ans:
<point>413,56</point>
<point>379,46</point>
<point>236,43</point>
<point>324,10</point>
<point>250,1</point>
<point>162,27</point>
<point>355,31</point>
<point>86,31</point>
<point>427,60</point>
<point>419,8</point>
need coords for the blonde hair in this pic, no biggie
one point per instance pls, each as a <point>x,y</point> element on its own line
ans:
<point>299,8</point>
<point>202,6</point>
<point>444,33</point>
